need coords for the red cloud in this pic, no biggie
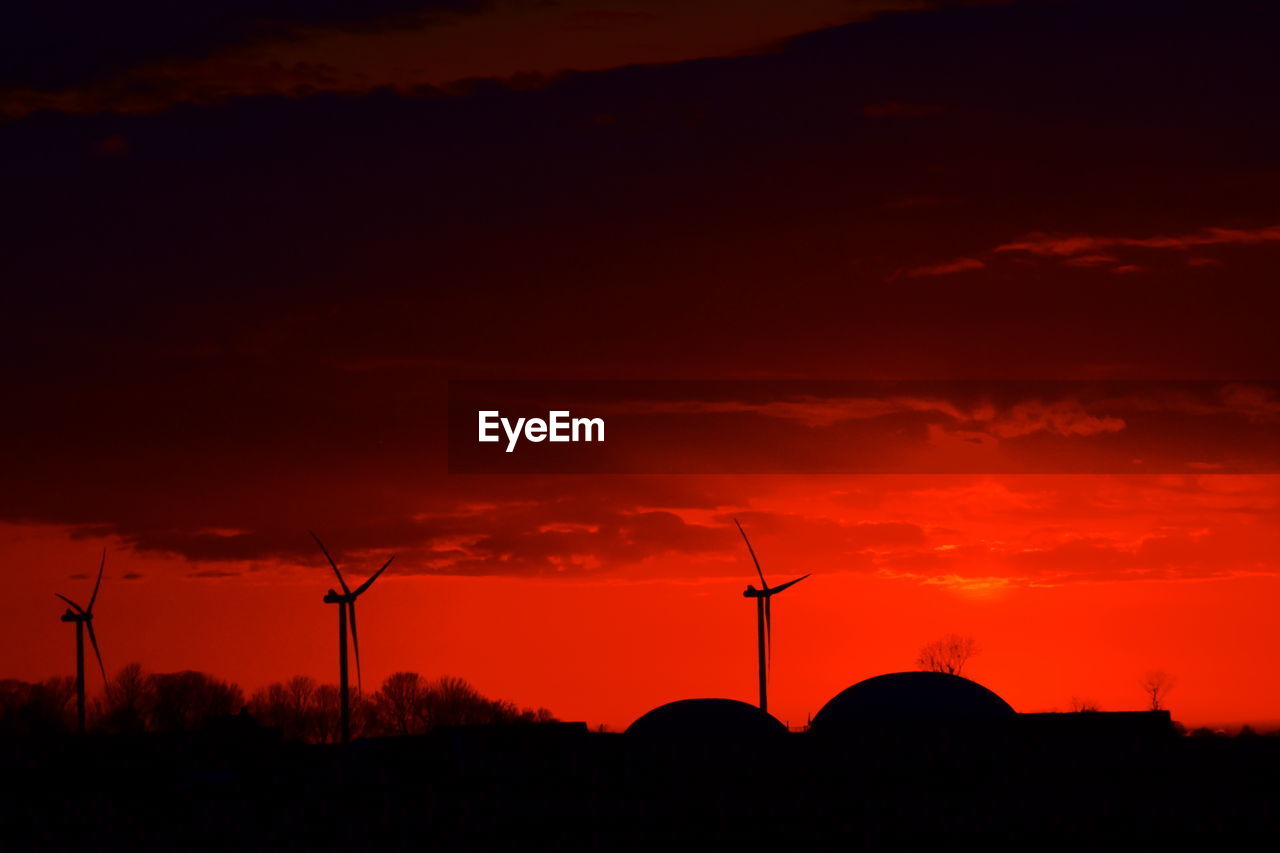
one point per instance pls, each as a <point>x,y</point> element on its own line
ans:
<point>1079,246</point>
<point>948,268</point>
<point>1064,417</point>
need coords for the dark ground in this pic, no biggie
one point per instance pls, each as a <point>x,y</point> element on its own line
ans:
<point>558,785</point>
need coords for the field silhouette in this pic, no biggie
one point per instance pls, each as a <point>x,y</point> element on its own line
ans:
<point>438,764</point>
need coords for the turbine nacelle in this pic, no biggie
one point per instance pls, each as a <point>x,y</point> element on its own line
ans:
<point>769,591</point>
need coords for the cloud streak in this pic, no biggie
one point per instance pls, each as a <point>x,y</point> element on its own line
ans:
<point>1100,251</point>
<point>147,56</point>
<point>1062,417</point>
<point>947,268</point>
<point>1091,246</point>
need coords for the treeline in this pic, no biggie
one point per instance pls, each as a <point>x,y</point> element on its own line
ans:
<point>301,708</point>
<point>405,704</point>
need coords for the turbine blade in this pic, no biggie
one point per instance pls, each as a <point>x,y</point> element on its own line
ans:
<point>77,607</point>
<point>781,587</point>
<point>102,565</point>
<point>752,552</point>
<point>345,588</point>
<point>768,631</point>
<point>355,642</point>
<point>93,638</point>
<point>369,582</point>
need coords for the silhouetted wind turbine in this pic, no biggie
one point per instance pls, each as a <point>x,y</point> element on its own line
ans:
<point>83,618</point>
<point>764,617</point>
<point>346,601</point>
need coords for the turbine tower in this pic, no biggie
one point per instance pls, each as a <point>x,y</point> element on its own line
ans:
<point>83,619</point>
<point>346,601</point>
<point>764,618</point>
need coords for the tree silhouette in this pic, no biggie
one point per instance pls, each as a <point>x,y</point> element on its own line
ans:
<point>43,708</point>
<point>301,709</point>
<point>1157,685</point>
<point>452,701</point>
<point>123,708</point>
<point>136,701</point>
<point>400,705</point>
<point>186,701</point>
<point>949,654</point>
<point>287,706</point>
<point>405,704</point>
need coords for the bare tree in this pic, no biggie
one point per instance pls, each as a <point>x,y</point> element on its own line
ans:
<point>400,704</point>
<point>406,703</point>
<point>44,708</point>
<point>1157,685</point>
<point>452,701</point>
<point>1081,705</point>
<point>187,701</point>
<point>948,655</point>
<point>287,706</point>
<point>136,701</point>
<point>325,710</point>
<point>125,704</point>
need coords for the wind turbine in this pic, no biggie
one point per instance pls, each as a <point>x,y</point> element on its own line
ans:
<point>346,601</point>
<point>764,617</point>
<point>83,618</point>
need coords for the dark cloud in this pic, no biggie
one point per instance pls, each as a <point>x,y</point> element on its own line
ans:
<point>1107,251</point>
<point>243,318</point>
<point>562,537</point>
<point>57,43</point>
<point>213,574</point>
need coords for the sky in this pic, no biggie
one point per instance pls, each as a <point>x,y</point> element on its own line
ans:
<point>247,247</point>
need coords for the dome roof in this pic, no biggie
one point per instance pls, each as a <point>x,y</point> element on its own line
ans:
<point>706,719</point>
<point>908,696</point>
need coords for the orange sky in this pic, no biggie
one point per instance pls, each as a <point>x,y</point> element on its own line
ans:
<point>605,649</point>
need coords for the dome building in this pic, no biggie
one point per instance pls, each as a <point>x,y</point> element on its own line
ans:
<point>911,697</point>
<point>707,719</point>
